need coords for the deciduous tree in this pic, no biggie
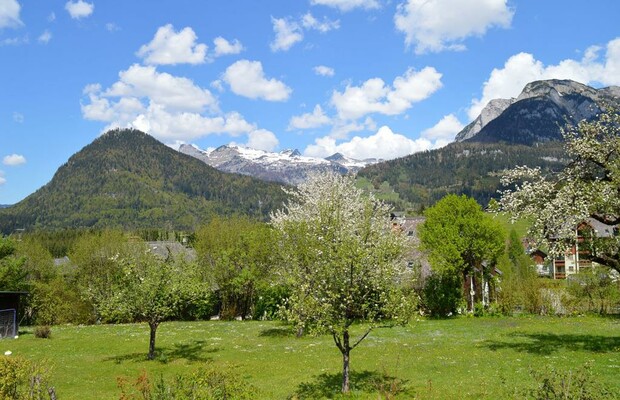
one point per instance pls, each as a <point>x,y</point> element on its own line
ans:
<point>588,187</point>
<point>342,260</point>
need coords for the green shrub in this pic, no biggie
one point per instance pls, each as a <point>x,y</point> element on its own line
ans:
<point>270,300</point>
<point>442,294</point>
<point>43,332</point>
<point>579,384</point>
<point>210,382</point>
<point>21,379</point>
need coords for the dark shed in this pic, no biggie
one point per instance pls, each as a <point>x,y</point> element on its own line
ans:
<point>9,305</point>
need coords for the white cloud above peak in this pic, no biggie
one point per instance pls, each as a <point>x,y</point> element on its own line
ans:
<point>315,119</point>
<point>79,9</point>
<point>374,96</point>
<point>13,160</point>
<point>384,144</point>
<point>9,14</point>
<point>348,5</point>
<point>437,25</point>
<point>247,78</point>
<point>522,68</point>
<point>169,47</point>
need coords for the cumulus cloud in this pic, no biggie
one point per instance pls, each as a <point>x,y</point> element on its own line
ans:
<point>165,106</point>
<point>79,9</point>
<point>374,96</point>
<point>322,70</point>
<point>287,34</point>
<point>348,5</point>
<point>45,37</point>
<point>308,21</point>
<point>246,78</point>
<point>14,159</point>
<point>289,31</point>
<point>383,144</point>
<point>9,14</point>
<point>436,25</point>
<point>262,139</point>
<point>444,131</point>
<point>169,47</point>
<point>522,68</point>
<point>224,47</point>
<point>315,119</point>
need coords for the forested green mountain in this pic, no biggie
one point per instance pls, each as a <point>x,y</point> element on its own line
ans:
<point>129,180</point>
<point>467,168</point>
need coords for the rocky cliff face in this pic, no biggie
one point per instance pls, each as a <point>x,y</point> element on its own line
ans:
<point>288,166</point>
<point>539,113</point>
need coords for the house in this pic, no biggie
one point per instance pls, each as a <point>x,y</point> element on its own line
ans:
<point>578,256</point>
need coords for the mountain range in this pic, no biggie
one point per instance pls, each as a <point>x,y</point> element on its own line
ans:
<point>127,179</point>
<point>288,166</point>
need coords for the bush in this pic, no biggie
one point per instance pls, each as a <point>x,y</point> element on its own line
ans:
<point>21,379</point>
<point>579,384</point>
<point>270,300</point>
<point>43,332</point>
<point>209,382</point>
<point>442,294</point>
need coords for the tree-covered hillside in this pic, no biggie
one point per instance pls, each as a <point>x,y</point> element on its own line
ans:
<point>467,168</point>
<point>127,179</point>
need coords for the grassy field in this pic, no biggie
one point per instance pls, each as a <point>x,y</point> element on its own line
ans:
<point>463,358</point>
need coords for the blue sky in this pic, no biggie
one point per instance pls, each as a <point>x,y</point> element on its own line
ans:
<point>367,78</point>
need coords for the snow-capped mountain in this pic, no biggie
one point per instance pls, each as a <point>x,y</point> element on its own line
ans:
<point>287,166</point>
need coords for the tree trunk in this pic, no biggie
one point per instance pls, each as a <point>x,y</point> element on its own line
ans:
<point>346,349</point>
<point>153,326</point>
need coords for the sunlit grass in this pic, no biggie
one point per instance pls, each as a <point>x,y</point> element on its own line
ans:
<point>464,358</point>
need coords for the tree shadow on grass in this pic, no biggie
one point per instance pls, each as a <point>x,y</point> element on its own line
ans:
<point>284,331</point>
<point>328,386</point>
<point>192,352</point>
<point>548,343</point>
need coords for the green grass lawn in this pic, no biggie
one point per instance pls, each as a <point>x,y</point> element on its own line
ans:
<point>463,358</point>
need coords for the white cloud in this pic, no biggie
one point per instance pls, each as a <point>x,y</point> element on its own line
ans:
<point>384,144</point>
<point>112,27</point>
<point>262,139</point>
<point>79,9</point>
<point>51,17</point>
<point>13,160</point>
<point>287,34</point>
<point>165,106</point>
<point>523,68</point>
<point>169,47</point>
<point>436,25</point>
<point>348,5</point>
<point>373,96</point>
<point>18,117</point>
<point>309,22</point>
<point>322,70</point>
<point>444,131</point>
<point>15,41</point>
<point>9,14</point>
<point>246,78</point>
<point>45,37</point>
<point>315,119</point>
<point>341,128</point>
<point>2,178</point>
<point>224,47</point>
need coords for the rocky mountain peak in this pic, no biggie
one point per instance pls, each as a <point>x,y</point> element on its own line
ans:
<point>539,113</point>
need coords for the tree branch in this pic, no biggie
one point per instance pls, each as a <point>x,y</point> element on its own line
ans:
<point>362,338</point>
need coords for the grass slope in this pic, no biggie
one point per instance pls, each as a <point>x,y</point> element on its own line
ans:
<point>464,358</point>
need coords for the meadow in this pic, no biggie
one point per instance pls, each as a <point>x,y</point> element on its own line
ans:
<point>459,358</point>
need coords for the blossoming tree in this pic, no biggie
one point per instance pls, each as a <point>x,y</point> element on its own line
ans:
<point>342,259</point>
<point>588,187</point>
